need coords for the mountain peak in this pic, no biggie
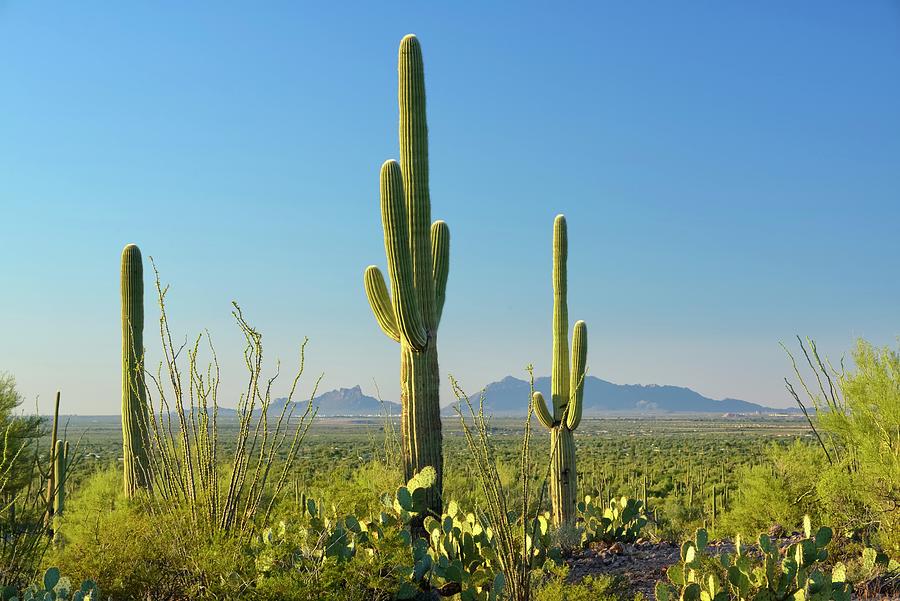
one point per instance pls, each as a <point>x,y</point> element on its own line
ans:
<point>351,402</point>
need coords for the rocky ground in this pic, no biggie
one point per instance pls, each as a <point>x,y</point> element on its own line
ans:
<point>640,564</point>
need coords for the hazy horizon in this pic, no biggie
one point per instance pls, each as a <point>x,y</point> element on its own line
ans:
<point>729,174</point>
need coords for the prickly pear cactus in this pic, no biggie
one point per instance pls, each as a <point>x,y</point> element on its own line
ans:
<point>53,587</point>
<point>796,573</point>
<point>621,520</point>
<point>566,388</point>
<point>418,258</point>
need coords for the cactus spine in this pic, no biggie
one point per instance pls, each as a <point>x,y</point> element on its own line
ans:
<point>566,388</point>
<point>418,254</point>
<point>135,414</point>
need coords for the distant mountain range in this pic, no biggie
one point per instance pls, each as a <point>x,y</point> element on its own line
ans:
<point>343,402</point>
<point>509,397</point>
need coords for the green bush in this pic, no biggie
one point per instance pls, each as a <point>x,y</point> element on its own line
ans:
<point>23,509</point>
<point>781,491</point>
<point>558,587</point>
<point>105,537</point>
<point>863,425</point>
<point>857,424</point>
<point>18,435</point>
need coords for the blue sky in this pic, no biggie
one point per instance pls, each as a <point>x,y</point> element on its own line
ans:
<point>730,173</point>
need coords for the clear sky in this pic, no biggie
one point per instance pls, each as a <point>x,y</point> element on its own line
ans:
<point>730,173</point>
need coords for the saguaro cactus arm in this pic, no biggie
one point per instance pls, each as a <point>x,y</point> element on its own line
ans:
<point>60,469</point>
<point>543,413</point>
<point>407,308</point>
<point>440,260</point>
<point>380,301</point>
<point>579,363</point>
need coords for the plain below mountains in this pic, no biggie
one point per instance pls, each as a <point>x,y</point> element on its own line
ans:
<point>509,397</point>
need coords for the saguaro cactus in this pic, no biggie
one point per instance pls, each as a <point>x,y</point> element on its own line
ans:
<point>418,259</point>
<point>51,472</point>
<point>566,389</point>
<point>135,414</point>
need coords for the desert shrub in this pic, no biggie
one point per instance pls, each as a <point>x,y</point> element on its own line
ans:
<point>557,586</point>
<point>18,439</point>
<point>857,424</point>
<point>105,537</point>
<point>677,517</point>
<point>355,487</point>
<point>131,554</point>
<point>865,430</point>
<point>781,491</point>
<point>23,520</point>
<point>459,475</point>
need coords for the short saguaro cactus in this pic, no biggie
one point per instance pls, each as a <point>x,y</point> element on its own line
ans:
<point>563,414</point>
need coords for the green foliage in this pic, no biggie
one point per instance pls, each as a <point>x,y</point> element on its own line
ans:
<point>23,476</point>
<point>557,586</point>
<point>18,436</point>
<point>621,520</point>
<point>106,537</point>
<point>857,425</point>
<point>768,574</point>
<point>782,491</point>
<point>864,428</point>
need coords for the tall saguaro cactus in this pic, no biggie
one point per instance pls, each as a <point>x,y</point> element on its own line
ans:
<point>566,388</point>
<point>135,414</point>
<point>418,259</point>
<point>51,472</point>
